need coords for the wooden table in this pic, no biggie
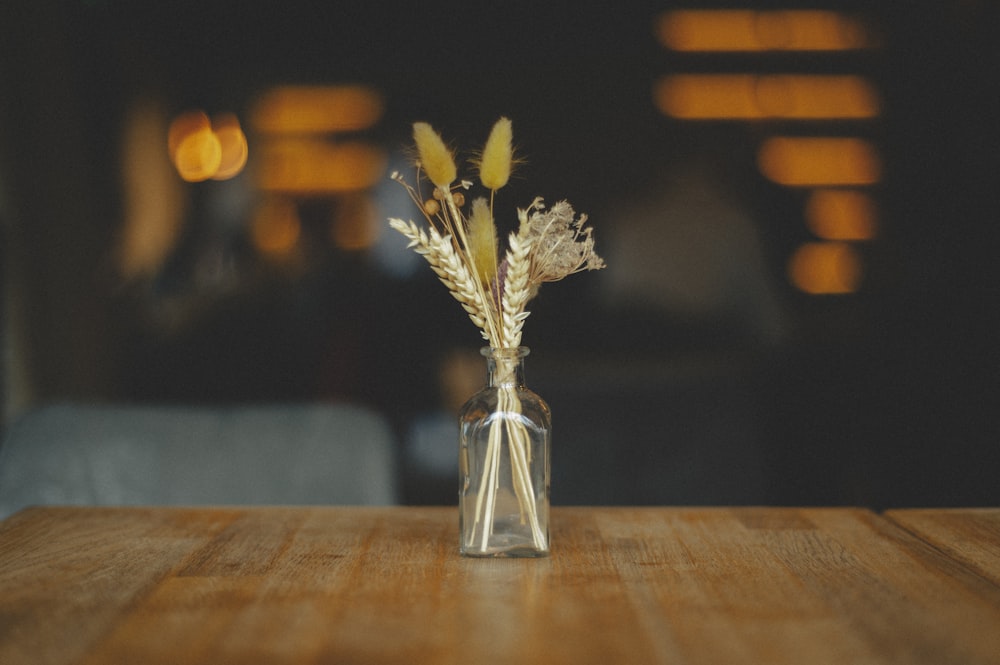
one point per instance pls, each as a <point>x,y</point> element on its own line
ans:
<point>385,585</point>
<point>969,536</point>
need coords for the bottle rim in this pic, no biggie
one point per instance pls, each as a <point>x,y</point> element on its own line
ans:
<point>507,352</point>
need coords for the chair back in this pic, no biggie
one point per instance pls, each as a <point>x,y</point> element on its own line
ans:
<point>138,455</point>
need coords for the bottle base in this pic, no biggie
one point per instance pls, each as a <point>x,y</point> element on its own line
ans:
<point>505,553</point>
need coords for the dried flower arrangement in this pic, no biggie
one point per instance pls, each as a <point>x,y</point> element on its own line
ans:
<point>493,287</point>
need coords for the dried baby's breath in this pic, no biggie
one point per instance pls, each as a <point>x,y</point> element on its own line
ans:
<point>562,245</point>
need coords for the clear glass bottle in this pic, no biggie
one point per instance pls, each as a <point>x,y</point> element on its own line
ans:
<point>504,463</point>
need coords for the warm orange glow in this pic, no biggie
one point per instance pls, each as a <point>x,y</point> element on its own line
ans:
<point>749,30</point>
<point>825,268</point>
<point>317,109</point>
<point>841,214</point>
<point>355,224</point>
<point>749,96</point>
<point>812,161</point>
<point>308,166</point>
<point>152,197</point>
<point>201,149</point>
<point>706,96</point>
<point>198,155</point>
<point>183,126</point>
<point>276,228</point>
<point>233,143</point>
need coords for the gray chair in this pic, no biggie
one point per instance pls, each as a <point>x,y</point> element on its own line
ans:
<point>135,455</point>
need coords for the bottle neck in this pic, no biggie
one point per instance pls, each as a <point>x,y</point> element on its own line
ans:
<point>505,367</point>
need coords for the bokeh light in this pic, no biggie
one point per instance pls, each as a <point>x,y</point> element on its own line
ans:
<point>201,149</point>
<point>356,223</point>
<point>841,214</point>
<point>812,161</point>
<point>754,97</point>
<point>276,228</point>
<point>820,268</point>
<point>751,30</point>
<point>316,166</point>
<point>317,109</point>
<point>198,155</point>
<point>153,201</point>
<point>233,143</point>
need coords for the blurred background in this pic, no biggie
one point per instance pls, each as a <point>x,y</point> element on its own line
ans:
<point>797,204</point>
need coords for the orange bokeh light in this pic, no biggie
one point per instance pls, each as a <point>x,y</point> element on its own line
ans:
<point>182,126</point>
<point>317,109</point>
<point>753,97</point>
<point>841,214</point>
<point>820,268</point>
<point>355,224</point>
<point>198,155</point>
<point>750,30</point>
<point>201,149</point>
<point>312,166</point>
<point>812,161</point>
<point>276,228</point>
<point>233,143</point>
<point>152,197</point>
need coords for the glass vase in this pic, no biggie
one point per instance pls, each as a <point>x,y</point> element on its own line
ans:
<point>504,463</point>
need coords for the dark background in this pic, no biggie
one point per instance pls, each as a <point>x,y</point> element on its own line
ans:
<point>885,397</point>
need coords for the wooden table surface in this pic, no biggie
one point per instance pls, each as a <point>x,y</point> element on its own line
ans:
<point>385,585</point>
<point>971,536</point>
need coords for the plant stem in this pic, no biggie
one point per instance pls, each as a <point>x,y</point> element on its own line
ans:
<point>519,444</point>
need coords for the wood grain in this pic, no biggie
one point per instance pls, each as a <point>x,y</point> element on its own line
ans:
<point>386,585</point>
<point>968,535</point>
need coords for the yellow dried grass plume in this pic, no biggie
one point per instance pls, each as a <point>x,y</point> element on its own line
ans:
<point>435,157</point>
<point>498,154</point>
<point>483,241</point>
